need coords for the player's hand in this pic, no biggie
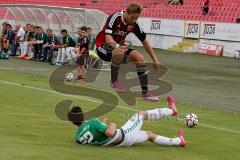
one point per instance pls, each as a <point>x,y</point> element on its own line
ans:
<point>121,50</point>
<point>156,64</point>
<point>105,120</point>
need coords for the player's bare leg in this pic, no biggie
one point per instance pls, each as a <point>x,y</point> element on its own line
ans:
<point>137,58</point>
<point>81,73</point>
<point>117,58</point>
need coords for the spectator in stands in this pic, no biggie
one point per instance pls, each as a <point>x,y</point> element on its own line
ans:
<point>238,20</point>
<point>174,2</point>
<point>205,7</point>
<point>65,49</point>
<point>40,37</point>
<point>15,44</point>
<point>181,2</point>
<point>51,44</point>
<point>91,38</point>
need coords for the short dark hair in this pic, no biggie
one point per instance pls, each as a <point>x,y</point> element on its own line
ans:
<point>5,23</point>
<point>9,25</point>
<point>49,30</point>
<point>238,20</point>
<point>134,8</point>
<point>76,115</point>
<point>83,28</point>
<point>63,30</point>
<point>89,28</point>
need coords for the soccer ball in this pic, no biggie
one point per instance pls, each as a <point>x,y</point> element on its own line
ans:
<point>191,120</point>
<point>69,76</point>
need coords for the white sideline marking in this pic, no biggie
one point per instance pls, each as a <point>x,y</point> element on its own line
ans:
<point>31,69</point>
<point>220,129</point>
<point>211,77</point>
<point>62,94</point>
<point>96,101</point>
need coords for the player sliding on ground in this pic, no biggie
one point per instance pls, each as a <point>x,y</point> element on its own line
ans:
<point>111,47</point>
<point>96,132</point>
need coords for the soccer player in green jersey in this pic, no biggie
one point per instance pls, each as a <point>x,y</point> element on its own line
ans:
<point>97,132</point>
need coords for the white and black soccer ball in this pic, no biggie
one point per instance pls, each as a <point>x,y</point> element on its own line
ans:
<point>69,76</point>
<point>191,120</point>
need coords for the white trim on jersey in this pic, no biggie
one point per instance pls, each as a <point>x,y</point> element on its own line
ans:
<point>140,28</point>
<point>108,31</point>
<point>122,18</point>
<point>102,50</point>
<point>113,18</point>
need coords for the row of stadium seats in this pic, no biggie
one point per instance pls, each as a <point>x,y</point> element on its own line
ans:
<point>220,10</point>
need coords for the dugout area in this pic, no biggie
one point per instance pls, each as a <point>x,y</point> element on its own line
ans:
<point>56,18</point>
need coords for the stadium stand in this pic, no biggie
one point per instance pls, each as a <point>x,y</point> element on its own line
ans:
<point>220,10</point>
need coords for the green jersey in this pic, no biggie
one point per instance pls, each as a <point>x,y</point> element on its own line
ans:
<point>68,41</point>
<point>92,132</point>
<point>31,35</point>
<point>40,37</point>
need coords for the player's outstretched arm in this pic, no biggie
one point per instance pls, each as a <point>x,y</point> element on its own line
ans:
<point>151,53</point>
<point>111,130</point>
<point>105,120</point>
<point>111,41</point>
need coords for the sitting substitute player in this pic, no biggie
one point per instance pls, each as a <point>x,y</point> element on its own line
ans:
<point>110,47</point>
<point>96,132</point>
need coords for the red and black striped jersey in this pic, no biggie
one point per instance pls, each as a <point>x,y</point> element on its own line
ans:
<point>84,43</point>
<point>119,30</point>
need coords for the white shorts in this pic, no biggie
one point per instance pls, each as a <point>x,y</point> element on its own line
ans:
<point>132,131</point>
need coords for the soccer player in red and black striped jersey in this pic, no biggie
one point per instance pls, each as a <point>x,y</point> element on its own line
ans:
<point>110,47</point>
<point>83,55</point>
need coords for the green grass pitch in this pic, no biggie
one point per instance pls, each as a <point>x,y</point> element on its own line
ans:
<point>30,130</point>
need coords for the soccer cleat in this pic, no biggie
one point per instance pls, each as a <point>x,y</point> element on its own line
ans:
<point>22,56</point>
<point>150,97</point>
<point>118,87</point>
<point>53,63</point>
<point>181,135</point>
<point>27,57</point>
<point>79,78</point>
<point>172,105</point>
<point>59,64</point>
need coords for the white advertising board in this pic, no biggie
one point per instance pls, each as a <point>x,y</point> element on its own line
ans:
<point>162,26</point>
<point>220,31</point>
<point>192,29</point>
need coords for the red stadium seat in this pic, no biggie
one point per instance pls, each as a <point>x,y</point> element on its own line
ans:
<point>220,10</point>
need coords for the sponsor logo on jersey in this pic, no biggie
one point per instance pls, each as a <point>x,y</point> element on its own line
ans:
<point>156,25</point>
<point>121,33</point>
<point>192,28</point>
<point>209,29</point>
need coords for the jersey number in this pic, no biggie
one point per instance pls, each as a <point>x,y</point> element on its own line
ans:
<point>86,138</point>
